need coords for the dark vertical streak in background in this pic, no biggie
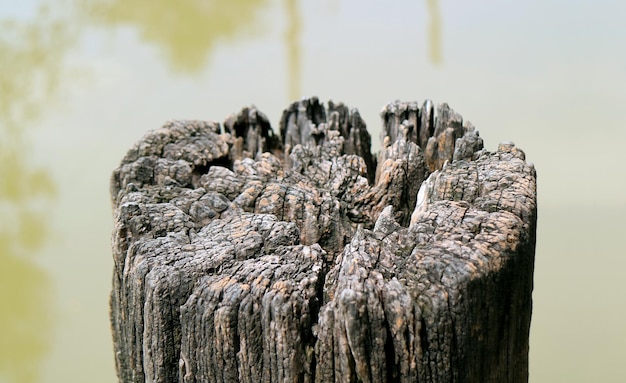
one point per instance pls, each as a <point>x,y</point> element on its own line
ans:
<point>434,32</point>
<point>292,42</point>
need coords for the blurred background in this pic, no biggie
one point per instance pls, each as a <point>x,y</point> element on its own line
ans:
<point>81,81</point>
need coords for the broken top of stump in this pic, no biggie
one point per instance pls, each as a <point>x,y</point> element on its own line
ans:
<point>241,256</point>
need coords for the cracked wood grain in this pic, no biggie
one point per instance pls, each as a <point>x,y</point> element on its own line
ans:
<point>242,256</point>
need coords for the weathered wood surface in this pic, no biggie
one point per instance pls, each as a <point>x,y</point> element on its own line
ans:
<point>241,256</point>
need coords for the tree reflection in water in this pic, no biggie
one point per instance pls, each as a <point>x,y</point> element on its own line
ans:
<point>31,53</point>
<point>294,30</point>
<point>292,40</point>
<point>434,32</point>
<point>185,30</point>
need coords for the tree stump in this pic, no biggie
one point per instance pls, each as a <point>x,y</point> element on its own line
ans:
<point>241,256</point>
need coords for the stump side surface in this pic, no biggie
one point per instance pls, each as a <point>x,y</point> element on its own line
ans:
<point>240,256</point>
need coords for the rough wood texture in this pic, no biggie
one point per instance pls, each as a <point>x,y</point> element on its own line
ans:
<point>244,257</point>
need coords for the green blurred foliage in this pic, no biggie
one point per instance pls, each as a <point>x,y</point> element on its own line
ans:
<point>31,54</point>
<point>185,30</point>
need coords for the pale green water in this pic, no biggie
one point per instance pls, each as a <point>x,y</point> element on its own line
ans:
<point>80,81</point>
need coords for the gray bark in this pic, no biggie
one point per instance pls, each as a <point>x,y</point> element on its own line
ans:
<point>244,257</point>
